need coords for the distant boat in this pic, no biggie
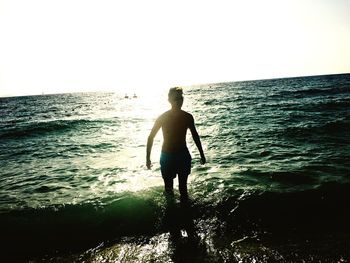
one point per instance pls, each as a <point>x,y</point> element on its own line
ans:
<point>126,96</point>
<point>134,95</point>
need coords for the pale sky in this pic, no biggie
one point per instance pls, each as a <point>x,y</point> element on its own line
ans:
<point>136,45</point>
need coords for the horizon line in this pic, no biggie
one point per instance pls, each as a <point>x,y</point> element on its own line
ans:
<point>192,85</point>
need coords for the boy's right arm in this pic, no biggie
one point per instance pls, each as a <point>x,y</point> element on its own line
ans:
<point>150,139</point>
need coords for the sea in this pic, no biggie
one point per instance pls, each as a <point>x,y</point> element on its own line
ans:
<point>276,186</point>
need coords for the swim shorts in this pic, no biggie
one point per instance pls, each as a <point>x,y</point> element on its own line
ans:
<point>175,163</point>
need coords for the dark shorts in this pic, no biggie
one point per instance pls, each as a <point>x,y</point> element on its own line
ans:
<point>175,163</point>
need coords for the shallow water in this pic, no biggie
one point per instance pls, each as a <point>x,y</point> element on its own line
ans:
<point>275,185</point>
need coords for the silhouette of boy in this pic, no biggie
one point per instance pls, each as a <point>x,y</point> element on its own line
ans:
<point>175,158</point>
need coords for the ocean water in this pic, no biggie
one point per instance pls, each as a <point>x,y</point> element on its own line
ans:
<point>74,186</point>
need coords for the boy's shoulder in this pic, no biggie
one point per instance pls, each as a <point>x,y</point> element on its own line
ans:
<point>164,114</point>
<point>186,113</point>
<point>169,114</point>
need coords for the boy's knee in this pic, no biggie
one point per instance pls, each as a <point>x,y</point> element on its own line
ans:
<point>169,188</point>
<point>183,190</point>
<point>182,187</point>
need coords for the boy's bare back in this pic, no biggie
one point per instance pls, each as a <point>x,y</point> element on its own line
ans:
<point>174,125</point>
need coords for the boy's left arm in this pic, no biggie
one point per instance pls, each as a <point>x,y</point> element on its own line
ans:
<point>197,140</point>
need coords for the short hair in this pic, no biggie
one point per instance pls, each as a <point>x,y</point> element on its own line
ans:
<point>175,93</point>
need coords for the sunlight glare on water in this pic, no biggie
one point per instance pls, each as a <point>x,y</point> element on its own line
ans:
<point>137,116</point>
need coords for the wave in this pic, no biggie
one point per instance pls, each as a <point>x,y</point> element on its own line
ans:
<point>40,128</point>
<point>76,226</point>
<point>337,127</point>
<point>80,226</point>
<point>313,92</point>
<point>295,178</point>
<point>335,105</point>
<point>316,210</point>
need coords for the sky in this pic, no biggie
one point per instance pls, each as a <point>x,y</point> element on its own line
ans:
<point>56,46</point>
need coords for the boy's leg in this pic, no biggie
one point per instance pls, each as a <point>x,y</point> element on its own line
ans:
<point>168,184</point>
<point>184,169</point>
<point>183,187</point>
<point>168,173</point>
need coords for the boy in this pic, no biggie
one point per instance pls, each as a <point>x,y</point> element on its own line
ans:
<point>175,158</point>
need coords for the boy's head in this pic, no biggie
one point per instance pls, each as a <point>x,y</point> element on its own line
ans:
<point>175,97</point>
